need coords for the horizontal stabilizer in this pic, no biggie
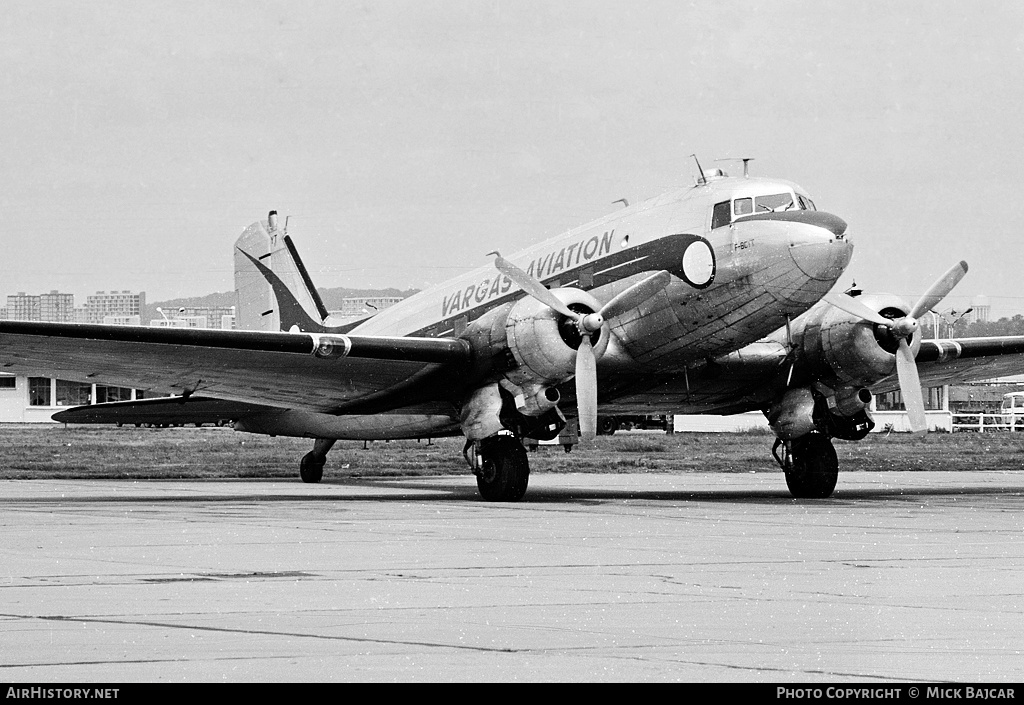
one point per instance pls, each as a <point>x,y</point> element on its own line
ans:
<point>160,411</point>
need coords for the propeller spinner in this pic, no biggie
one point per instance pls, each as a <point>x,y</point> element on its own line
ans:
<point>902,329</point>
<point>587,324</point>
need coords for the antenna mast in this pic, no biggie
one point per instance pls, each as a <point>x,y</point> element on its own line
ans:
<point>701,180</point>
<point>746,162</point>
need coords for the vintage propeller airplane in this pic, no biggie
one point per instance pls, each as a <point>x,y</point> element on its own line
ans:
<point>709,299</point>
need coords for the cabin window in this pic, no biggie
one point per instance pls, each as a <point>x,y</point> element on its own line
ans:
<point>722,215</point>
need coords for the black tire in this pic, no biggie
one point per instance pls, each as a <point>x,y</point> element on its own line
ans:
<point>311,468</point>
<point>505,470</point>
<point>812,468</point>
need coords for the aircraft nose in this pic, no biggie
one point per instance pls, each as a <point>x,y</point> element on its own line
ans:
<point>820,255</point>
<point>814,241</point>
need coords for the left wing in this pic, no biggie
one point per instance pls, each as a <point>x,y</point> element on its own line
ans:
<point>962,360</point>
<point>339,374</point>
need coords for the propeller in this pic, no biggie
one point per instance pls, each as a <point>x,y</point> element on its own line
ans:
<point>903,329</point>
<point>587,324</point>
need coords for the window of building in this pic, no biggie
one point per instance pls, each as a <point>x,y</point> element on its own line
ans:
<point>149,394</point>
<point>39,391</point>
<point>105,394</point>
<point>893,401</point>
<point>73,393</point>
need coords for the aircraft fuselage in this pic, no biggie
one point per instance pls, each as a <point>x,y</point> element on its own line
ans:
<point>735,279</point>
<point>746,254</point>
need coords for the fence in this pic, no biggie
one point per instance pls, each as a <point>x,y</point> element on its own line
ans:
<point>988,422</point>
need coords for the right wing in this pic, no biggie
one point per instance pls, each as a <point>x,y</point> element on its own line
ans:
<point>338,374</point>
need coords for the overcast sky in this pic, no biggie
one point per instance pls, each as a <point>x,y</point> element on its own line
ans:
<point>408,139</point>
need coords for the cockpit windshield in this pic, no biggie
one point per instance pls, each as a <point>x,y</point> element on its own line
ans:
<point>768,203</point>
<point>773,202</point>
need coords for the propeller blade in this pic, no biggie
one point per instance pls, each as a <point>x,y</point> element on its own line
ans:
<point>586,389</point>
<point>532,287</point>
<point>910,386</point>
<point>855,308</point>
<point>939,290</point>
<point>636,294</point>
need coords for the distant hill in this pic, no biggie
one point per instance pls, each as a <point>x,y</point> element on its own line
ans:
<point>332,299</point>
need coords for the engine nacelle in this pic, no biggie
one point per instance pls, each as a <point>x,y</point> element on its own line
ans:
<point>803,410</point>
<point>857,352</point>
<point>544,343</point>
<point>793,415</point>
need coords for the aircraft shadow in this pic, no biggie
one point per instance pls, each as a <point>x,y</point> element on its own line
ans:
<point>458,490</point>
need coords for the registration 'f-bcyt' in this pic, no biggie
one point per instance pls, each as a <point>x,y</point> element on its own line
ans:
<point>715,298</point>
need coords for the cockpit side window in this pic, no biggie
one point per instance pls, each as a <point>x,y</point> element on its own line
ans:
<point>806,204</point>
<point>721,215</point>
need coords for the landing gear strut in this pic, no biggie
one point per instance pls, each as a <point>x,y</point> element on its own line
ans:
<point>810,464</point>
<point>311,468</point>
<point>503,469</point>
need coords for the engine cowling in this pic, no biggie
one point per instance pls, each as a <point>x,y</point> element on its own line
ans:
<point>793,415</point>
<point>852,352</point>
<point>544,343</point>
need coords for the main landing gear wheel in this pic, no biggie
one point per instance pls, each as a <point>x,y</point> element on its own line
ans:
<point>504,471</point>
<point>311,468</point>
<point>811,467</point>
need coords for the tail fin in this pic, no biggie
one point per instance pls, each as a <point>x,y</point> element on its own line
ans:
<point>274,288</point>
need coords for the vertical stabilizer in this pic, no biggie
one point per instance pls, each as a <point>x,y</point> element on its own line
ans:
<point>274,289</point>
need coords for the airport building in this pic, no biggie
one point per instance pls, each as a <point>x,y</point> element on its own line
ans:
<point>25,399</point>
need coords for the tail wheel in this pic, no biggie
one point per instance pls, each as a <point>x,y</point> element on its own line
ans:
<point>311,468</point>
<point>812,467</point>
<point>504,470</point>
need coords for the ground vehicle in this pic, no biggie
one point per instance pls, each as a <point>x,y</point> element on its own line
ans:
<point>607,425</point>
<point>1012,409</point>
